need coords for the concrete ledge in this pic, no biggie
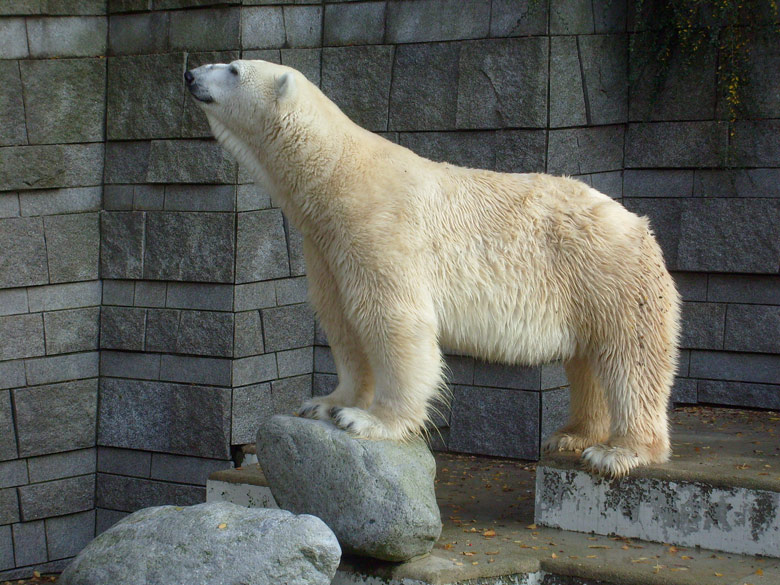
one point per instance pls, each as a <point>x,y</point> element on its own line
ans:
<point>245,486</point>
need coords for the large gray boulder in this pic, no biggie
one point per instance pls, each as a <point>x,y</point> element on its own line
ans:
<point>377,496</point>
<point>216,543</point>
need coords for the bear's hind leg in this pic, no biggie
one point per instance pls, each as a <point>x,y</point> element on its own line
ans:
<point>589,413</point>
<point>638,396</point>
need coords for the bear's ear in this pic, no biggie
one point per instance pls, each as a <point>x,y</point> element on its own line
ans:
<point>285,85</point>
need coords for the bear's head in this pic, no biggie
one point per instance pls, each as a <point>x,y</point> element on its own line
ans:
<point>244,96</point>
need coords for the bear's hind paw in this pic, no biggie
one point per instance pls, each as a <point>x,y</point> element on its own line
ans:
<point>314,409</point>
<point>611,461</point>
<point>566,442</point>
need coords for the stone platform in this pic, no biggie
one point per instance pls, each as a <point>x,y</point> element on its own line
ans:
<point>720,490</point>
<point>490,538</point>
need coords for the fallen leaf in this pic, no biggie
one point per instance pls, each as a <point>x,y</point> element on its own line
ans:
<point>492,552</point>
<point>686,558</point>
<point>553,556</point>
<point>592,557</point>
<point>467,554</point>
<point>719,574</point>
<point>531,527</point>
<point>222,526</point>
<point>759,571</point>
<point>598,546</point>
<point>489,533</point>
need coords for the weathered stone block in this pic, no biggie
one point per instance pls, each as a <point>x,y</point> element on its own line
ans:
<point>9,511</point>
<point>251,197</point>
<point>190,161</point>
<point>122,328</point>
<point>567,97</point>
<point>57,498</point>
<point>7,433</point>
<point>585,150</point>
<point>124,462</point>
<point>295,362</point>
<point>118,292</point>
<point>56,417</point>
<point>162,328</point>
<point>251,405</point>
<point>730,235</point>
<point>73,366</point>
<point>324,384</point>
<point>303,26</point>
<point>71,7</point>
<point>200,198</point>
<point>290,291</point>
<point>136,34</point>
<point>195,370</point>
<point>295,247</point>
<point>323,360</point>
<point>128,494</point>
<point>429,101</point>
<point>72,246</point>
<point>71,330</point>
<point>29,543</point>
<point>67,535</point>
<point>47,202</point>
<point>604,68</point>
<point>254,369</point>
<point>571,17</point>
<point>143,366</point>
<point>64,296</point>
<point>759,98</point>
<point>148,197</point>
<point>106,519</point>
<point>437,20</point>
<point>13,38</point>
<point>610,17</point>
<point>366,24</point>
<point>667,144</point>
<point>150,294</point>
<point>497,422</point>
<point>64,99</point>
<point>692,286</point>
<point>365,99</point>
<point>658,183</point>
<point>754,143</point>
<point>13,130</point>
<point>205,333</point>
<point>750,327</point>
<point>289,393</point>
<point>122,244</point>
<point>738,288</point>
<point>248,334</point>
<point>262,249</point>
<point>288,327</point>
<point>555,411</point>
<point>127,162</point>
<point>180,469</point>
<point>52,165</point>
<point>206,29</point>
<point>159,416</point>
<point>736,183</point>
<point>9,205</point>
<point>145,96</point>
<point>189,246</point>
<point>14,301</point>
<point>255,295</point>
<point>502,83</point>
<point>673,100</point>
<point>24,252</point>
<point>80,36</point>
<point>665,216</point>
<point>503,376</point>
<point>13,473</point>
<point>61,465</point>
<point>518,18</point>
<point>703,325</point>
<point>739,394</point>
<point>684,391</point>
<point>467,149</point>
<point>21,336</point>
<point>6,548</point>
<point>738,367</point>
<point>262,27</point>
<point>187,295</point>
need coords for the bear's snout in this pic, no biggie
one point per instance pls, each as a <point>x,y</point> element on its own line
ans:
<point>188,77</point>
<point>195,83</point>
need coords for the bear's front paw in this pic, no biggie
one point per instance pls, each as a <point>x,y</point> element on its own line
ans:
<point>611,461</point>
<point>562,441</point>
<point>359,422</point>
<point>314,408</point>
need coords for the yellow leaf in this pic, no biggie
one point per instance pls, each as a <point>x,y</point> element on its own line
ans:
<point>531,527</point>
<point>489,533</point>
<point>36,574</point>
<point>686,558</point>
<point>553,556</point>
<point>592,557</point>
<point>719,574</point>
<point>222,526</point>
<point>759,571</point>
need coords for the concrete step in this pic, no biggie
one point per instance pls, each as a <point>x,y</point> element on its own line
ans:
<point>721,489</point>
<point>490,538</point>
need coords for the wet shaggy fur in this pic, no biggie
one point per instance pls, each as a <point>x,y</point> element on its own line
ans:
<point>405,256</point>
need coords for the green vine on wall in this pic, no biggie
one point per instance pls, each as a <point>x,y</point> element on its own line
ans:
<point>684,28</point>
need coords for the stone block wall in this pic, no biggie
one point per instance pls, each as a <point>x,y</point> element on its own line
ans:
<point>52,107</point>
<point>153,301</point>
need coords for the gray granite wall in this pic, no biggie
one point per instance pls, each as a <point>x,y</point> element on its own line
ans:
<point>152,301</point>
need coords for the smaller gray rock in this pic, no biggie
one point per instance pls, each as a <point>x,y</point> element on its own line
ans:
<point>209,543</point>
<point>377,496</point>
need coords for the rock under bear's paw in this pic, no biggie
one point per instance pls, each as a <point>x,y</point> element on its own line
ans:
<point>611,461</point>
<point>315,408</point>
<point>567,442</point>
<point>360,423</point>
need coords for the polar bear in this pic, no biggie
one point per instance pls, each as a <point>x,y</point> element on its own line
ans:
<point>405,256</point>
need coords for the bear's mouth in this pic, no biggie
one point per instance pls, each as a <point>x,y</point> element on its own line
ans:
<point>198,91</point>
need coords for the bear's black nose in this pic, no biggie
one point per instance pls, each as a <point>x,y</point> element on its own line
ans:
<point>188,77</point>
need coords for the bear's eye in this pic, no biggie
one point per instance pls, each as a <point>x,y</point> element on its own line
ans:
<point>233,69</point>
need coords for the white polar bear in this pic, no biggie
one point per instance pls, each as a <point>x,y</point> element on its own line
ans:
<point>405,255</point>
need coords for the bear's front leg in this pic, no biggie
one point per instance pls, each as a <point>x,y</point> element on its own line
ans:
<point>399,335</point>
